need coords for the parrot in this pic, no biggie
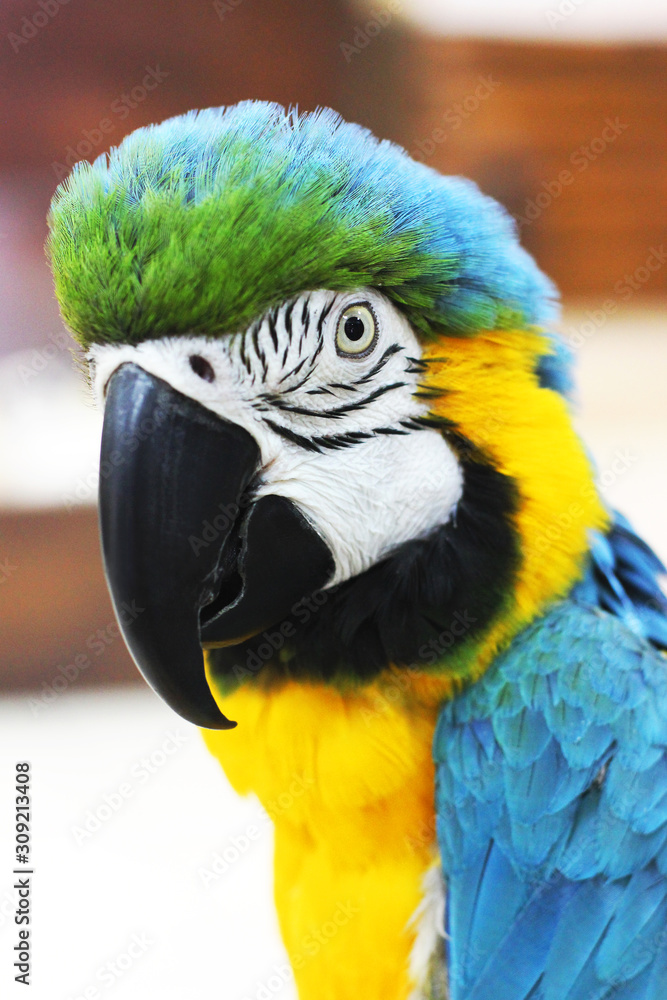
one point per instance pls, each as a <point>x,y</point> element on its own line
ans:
<point>350,531</point>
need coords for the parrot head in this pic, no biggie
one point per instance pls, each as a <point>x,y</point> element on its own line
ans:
<point>336,438</point>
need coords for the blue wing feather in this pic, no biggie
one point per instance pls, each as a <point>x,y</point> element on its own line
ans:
<point>551,797</point>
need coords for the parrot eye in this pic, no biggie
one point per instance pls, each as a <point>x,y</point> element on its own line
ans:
<point>356,332</point>
<point>202,367</point>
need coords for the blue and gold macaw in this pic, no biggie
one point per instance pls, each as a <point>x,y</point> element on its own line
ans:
<point>338,458</point>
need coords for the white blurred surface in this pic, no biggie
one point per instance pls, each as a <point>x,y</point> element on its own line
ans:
<point>621,376</point>
<point>49,431</point>
<point>548,20</point>
<point>139,873</point>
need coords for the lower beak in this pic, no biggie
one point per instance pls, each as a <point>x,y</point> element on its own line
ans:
<point>190,559</point>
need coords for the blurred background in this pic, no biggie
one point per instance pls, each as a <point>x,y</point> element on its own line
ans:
<point>555,107</point>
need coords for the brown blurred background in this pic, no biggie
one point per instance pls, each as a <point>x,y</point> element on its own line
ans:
<point>568,134</point>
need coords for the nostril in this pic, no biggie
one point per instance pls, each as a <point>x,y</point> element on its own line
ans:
<point>202,367</point>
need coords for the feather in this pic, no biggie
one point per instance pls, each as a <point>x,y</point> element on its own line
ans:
<point>576,845</point>
<point>582,925</point>
<point>251,189</point>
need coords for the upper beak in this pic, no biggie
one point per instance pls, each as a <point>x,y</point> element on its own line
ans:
<point>183,544</point>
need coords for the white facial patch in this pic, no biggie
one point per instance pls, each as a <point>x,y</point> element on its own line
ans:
<point>339,432</point>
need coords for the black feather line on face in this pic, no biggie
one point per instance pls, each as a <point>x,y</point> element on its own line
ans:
<point>244,358</point>
<point>323,315</point>
<point>301,383</point>
<point>290,435</point>
<point>343,440</point>
<point>338,411</point>
<point>273,315</point>
<point>320,345</point>
<point>259,353</point>
<point>417,366</point>
<point>294,371</point>
<point>305,315</point>
<point>389,353</point>
<point>414,608</point>
<point>288,320</point>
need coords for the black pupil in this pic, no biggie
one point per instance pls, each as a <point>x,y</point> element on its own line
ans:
<point>354,328</point>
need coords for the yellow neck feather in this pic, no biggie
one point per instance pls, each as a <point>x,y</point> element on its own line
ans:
<point>488,387</point>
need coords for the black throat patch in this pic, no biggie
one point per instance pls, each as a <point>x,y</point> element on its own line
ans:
<point>417,607</point>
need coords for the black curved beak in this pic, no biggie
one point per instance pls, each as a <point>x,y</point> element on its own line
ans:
<point>190,559</point>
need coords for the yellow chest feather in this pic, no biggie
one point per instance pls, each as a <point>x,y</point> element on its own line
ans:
<point>348,781</point>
